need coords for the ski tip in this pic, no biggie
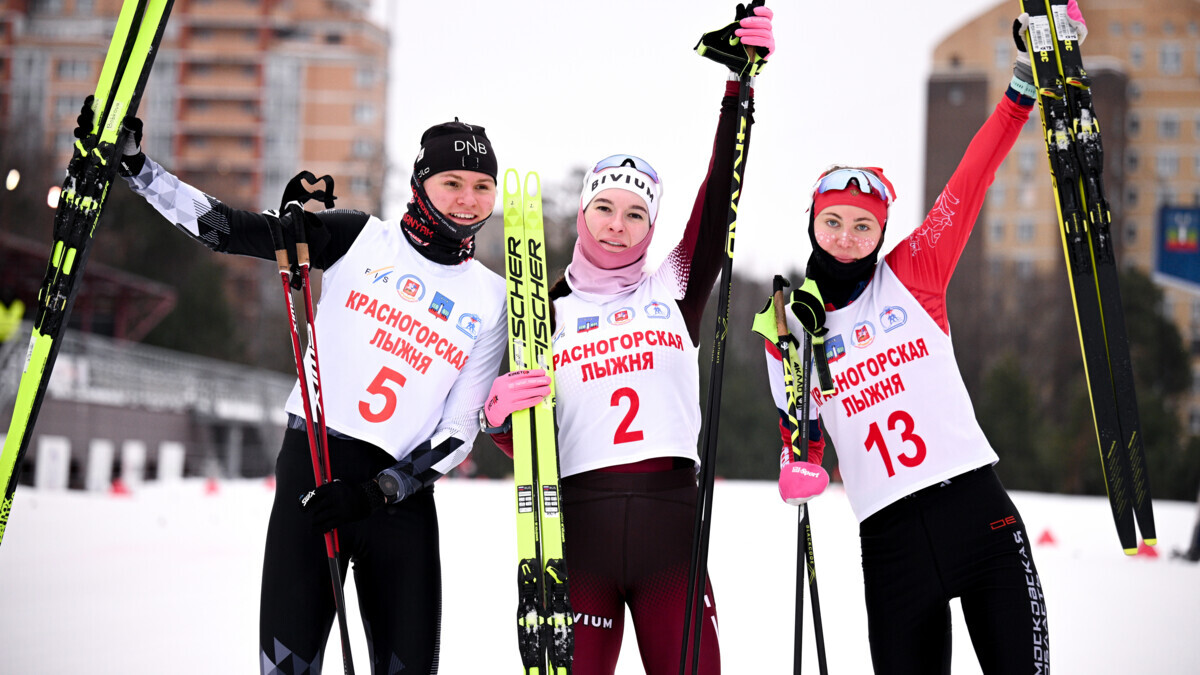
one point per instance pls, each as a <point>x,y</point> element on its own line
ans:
<point>515,186</point>
<point>1131,551</point>
<point>533,185</point>
<point>1151,542</point>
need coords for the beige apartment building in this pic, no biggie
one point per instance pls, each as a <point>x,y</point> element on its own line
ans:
<point>243,94</point>
<point>1144,60</point>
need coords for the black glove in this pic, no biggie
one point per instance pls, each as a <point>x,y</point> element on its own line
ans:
<point>132,157</point>
<point>726,48</point>
<point>335,504</point>
<point>808,307</point>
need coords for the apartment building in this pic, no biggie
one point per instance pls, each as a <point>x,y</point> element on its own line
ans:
<point>1144,61</point>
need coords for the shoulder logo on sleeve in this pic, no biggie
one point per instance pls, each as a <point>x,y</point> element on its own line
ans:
<point>864,334</point>
<point>657,310</point>
<point>892,317</point>
<point>469,325</point>
<point>410,288</point>
<point>835,348</point>
<point>380,275</point>
<point>621,316</point>
<point>441,306</point>
<point>587,323</point>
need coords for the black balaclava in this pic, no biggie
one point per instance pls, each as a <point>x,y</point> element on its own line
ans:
<point>445,147</point>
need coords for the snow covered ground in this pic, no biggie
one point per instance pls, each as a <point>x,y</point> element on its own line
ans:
<point>166,581</point>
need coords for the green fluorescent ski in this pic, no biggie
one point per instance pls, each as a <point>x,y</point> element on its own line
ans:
<point>545,634</point>
<point>90,172</point>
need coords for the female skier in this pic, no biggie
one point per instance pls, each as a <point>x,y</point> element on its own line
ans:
<point>934,521</point>
<point>627,386</point>
<point>398,419</point>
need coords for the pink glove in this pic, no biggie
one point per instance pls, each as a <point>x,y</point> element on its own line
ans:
<point>801,481</point>
<point>1076,16</point>
<point>756,31</point>
<point>514,391</point>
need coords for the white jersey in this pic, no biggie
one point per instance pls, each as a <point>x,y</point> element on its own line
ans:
<point>626,377</point>
<point>901,419</point>
<point>408,347</point>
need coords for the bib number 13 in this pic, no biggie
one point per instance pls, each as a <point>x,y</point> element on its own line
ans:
<point>904,422</point>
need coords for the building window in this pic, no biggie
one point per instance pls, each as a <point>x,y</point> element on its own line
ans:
<point>1024,270</point>
<point>1168,27</point>
<point>360,185</point>
<point>1025,230</point>
<point>995,195</point>
<point>1133,124</point>
<point>1136,55</point>
<point>363,148</point>
<point>1170,58</point>
<point>996,230</point>
<point>1135,91</point>
<point>1027,159</point>
<point>1131,161</point>
<point>364,113</point>
<point>1115,28</point>
<point>67,106</point>
<point>1131,234</point>
<point>1194,421</point>
<point>1002,51</point>
<point>1166,164</point>
<point>74,69</point>
<point>1168,125</point>
<point>1136,29</point>
<point>1164,195</point>
<point>1131,196</point>
<point>364,78</point>
<point>1196,165</point>
<point>84,7</point>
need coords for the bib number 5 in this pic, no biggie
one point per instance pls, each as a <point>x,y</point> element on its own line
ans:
<point>380,387</point>
<point>903,420</point>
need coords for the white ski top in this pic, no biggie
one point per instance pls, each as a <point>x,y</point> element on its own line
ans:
<point>626,377</point>
<point>408,347</point>
<point>901,416</point>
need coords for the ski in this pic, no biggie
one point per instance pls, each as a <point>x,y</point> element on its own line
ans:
<point>1073,146</point>
<point>90,172</point>
<point>545,631</point>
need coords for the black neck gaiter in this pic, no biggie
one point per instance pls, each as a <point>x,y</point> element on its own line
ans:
<point>433,235</point>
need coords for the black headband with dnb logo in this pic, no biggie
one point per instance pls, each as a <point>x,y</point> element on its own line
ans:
<point>454,146</point>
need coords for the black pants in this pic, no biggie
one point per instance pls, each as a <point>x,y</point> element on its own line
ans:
<point>962,540</point>
<point>397,570</point>
<point>629,542</point>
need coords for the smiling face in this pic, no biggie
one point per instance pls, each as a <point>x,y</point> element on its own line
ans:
<point>617,219</point>
<point>464,197</point>
<point>848,233</point>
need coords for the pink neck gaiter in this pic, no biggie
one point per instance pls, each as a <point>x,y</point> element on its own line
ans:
<point>595,270</point>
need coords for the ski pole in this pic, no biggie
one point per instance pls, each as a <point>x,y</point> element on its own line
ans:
<point>698,563</point>
<point>796,385</point>
<point>310,389</point>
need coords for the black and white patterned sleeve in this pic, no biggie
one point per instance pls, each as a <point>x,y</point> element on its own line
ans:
<point>202,217</point>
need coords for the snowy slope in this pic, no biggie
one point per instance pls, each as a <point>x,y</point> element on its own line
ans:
<point>167,580</point>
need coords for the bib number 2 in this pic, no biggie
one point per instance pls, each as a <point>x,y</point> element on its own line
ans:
<point>905,422</point>
<point>624,435</point>
<point>380,387</point>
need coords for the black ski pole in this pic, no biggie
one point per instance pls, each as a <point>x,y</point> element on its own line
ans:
<point>698,563</point>
<point>310,389</point>
<point>796,384</point>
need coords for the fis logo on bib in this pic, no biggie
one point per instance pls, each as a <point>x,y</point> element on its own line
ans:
<point>587,323</point>
<point>469,325</point>
<point>835,348</point>
<point>410,288</point>
<point>864,334</point>
<point>657,310</point>
<point>441,306</point>
<point>621,316</point>
<point>892,317</point>
<point>562,330</point>
<point>380,275</point>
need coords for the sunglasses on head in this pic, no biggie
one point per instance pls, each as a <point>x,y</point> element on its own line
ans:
<point>866,181</point>
<point>637,163</point>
